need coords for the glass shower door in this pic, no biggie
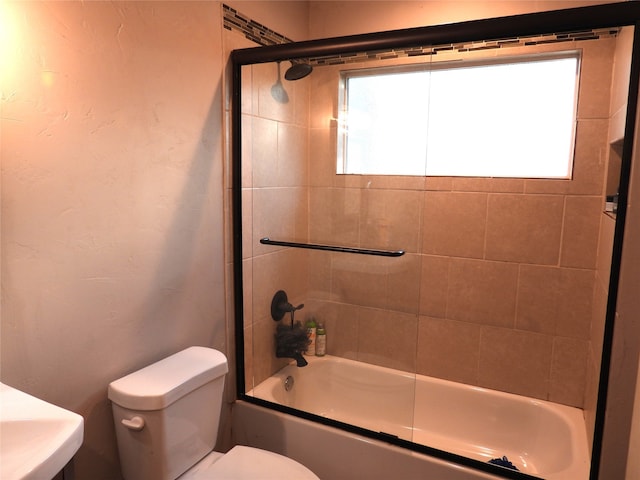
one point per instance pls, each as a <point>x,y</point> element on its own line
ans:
<point>359,279</point>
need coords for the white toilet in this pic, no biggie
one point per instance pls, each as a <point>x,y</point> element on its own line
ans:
<point>167,415</point>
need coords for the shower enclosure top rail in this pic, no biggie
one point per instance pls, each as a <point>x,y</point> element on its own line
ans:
<point>333,248</point>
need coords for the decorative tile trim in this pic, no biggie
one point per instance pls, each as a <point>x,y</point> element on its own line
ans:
<point>256,32</point>
<point>252,30</point>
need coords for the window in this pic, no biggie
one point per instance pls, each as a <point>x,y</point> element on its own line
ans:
<point>503,117</point>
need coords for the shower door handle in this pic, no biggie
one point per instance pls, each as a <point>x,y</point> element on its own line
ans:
<point>334,248</point>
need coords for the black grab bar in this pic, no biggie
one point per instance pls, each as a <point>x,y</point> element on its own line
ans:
<point>333,248</point>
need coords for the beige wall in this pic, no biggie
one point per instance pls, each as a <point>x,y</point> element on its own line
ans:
<point>335,18</point>
<point>112,248</point>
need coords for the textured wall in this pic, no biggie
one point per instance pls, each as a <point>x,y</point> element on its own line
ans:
<point>112,248</point>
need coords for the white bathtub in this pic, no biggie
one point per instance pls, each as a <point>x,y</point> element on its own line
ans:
<point>540,438</point>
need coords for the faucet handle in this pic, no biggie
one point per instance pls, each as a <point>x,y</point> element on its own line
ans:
<point>280,305</point>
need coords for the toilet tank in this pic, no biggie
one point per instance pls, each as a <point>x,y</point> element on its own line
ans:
<point>167,414</point>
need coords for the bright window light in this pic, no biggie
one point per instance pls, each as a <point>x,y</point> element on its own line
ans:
<point>503,117</point>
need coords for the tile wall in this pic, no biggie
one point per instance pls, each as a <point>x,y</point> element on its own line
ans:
<point>497,284</point>
<point>496,288</point>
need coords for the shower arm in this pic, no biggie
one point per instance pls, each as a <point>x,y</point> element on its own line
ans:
<point>333,248</point>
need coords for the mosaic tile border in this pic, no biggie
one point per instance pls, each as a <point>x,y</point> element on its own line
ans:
<point>252,30</point>
<point>256,32</point>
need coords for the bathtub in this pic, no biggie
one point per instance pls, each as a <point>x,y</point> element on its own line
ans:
<point>540,438</point>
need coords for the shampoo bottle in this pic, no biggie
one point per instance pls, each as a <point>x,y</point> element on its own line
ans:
<point>311,332</point>
<point>321,341</point>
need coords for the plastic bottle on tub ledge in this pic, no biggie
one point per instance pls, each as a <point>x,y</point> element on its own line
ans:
<point>321,341</point>
<point>311,332</point>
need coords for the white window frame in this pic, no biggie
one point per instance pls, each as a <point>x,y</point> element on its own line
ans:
<point>391,158</point>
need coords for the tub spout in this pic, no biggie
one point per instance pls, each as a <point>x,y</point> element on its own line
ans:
<point>300,360</point>
<point>297,356</point>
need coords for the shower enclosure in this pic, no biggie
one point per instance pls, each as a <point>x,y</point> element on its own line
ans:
<point>504,282</point>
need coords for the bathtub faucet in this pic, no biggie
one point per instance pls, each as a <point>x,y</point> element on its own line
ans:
<point>291,340</point>
<point>280,305</point>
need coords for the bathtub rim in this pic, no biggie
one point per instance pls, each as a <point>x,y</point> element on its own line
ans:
<point>392,439</point>
<point>566,414</point>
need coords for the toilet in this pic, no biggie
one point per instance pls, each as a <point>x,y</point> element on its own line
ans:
<point>167,416</point>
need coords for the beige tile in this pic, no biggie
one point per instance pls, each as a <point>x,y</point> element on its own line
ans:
<point>454,224</point>
<point>390,219</point>
<point>439,184</point>
<point>434,285</point>
<point>591,395</point>
<point>524,228</point>
<point>341,323</point>
<point>598,319</point>
<point>246,89</point>
<point>392,182</point>
<point>590,157</point>
<point>507,185</point>
<point>621,70</point>
<point>471,184</point>
<point>265,77</point>
<point>595,78</point>
<point>482,292</point>
<point>575,303</point>
<point>249,381</point>
<point>280,214</point>
<point>403,291</point>
<point>605,250</point>
<point>299,95</point>
<point>360,280</point>
<point>320,274</point>
<point>547,186</point>
<point>475,184</point>
<point>335,213</point>
<point>322,157</point>
<point>515,361</point>
<point>568,371</point>
<point>264,135</point>
<point>538,299</point>
<point>555,301</point>
<point>247,222</point>
<point>448,349</point>
<point>247,291</point>
<point>285,269</point>
<point>264,352</point>
<point>247,150</point>
<point>323,88</point>
<point>292,164</point>
<point>580,232</point>
<point>387,339</point>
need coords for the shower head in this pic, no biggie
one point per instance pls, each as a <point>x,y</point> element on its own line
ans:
<point>297,71</point>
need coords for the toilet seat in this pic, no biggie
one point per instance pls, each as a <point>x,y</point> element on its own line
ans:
<point>247,463</point>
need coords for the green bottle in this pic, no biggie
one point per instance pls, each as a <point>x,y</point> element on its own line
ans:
<point>311,332</point>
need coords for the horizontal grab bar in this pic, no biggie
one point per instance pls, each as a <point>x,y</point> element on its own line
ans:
<point>333,248</point>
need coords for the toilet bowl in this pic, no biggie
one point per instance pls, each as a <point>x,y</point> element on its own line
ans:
<point>166,419</point>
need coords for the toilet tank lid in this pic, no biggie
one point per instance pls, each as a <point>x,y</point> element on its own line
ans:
<point>162,383</point>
